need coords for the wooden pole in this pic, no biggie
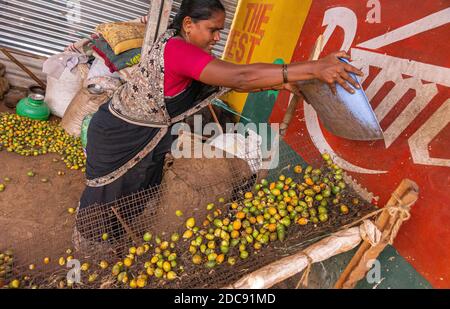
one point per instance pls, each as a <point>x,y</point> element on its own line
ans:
<point>24,68</point>
<point>126,227</point>
<point>405,194</point>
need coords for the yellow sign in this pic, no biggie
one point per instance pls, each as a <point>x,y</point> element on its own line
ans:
<point>262,31</point>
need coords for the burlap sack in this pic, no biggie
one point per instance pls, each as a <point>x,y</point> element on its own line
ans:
<point>83,104</point>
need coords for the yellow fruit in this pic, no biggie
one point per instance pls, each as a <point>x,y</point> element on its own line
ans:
<point>140,251</point>
<point>260,219</point>
<point>179,213</point>
<point>302,221</point>
<point>92,277</point>
<point>132,250</point>
<point>272,211</point>
<point>46,260</point>
<point>164,245</point>
<point>62,261</point>
<point>141,282</point>
<point>220,258</point>
<point>231,261</point>
<point>240,215</point>
<point>127,262</point>
<point>85,266</point>
<point>171,275</point>
<point>234,205</point>
<point>154,259</point>
<point>166,266</point>
<point>105,236</point>
<point>234,234</point>
<point>237,225</point>
<point>71,210</point>
<point>150,271</point>
<point>272,227</point>
<point>309,181</point>
<point>103,264</point>
<point>190,223</point>
<point>32,267</point>
<point>14,284</point>
<point>197,259</point>
<point>298,169</point>
<point>248,195</point>
<point>133,283</point>
<point>344,209</point>
<point>188,234</point>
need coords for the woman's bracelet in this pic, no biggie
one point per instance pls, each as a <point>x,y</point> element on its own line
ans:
<point>285,74</point>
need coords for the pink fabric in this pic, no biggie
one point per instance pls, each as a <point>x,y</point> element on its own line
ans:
<point>183,62</point>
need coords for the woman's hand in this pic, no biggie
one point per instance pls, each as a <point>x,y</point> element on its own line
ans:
<point>331,70</point>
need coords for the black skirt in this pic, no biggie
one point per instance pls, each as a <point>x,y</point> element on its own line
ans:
<point>111,143</point>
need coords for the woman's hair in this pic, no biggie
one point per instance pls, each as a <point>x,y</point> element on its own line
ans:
<point>197,10</point>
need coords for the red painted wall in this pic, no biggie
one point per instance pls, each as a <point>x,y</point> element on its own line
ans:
<point>412,103</point>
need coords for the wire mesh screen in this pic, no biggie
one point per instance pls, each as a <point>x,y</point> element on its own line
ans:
<point>210,222</point>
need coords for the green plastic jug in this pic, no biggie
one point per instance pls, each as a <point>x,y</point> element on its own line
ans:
<point>33,107</point>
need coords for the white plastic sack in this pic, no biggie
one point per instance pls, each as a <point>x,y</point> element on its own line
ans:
<point>248,149</point>
<point>60,92</point>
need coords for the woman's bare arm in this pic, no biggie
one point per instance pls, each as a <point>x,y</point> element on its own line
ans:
<point>253,77</point>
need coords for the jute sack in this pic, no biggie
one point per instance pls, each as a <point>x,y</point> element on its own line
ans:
<point>83,104</point>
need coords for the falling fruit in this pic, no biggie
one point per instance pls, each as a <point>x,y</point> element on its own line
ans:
<point>46,260</point>
<point>30,174</point>
<point>2,187</point>
<point>71,210</point>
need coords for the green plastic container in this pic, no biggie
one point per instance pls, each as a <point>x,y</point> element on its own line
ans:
<point>33,107</point>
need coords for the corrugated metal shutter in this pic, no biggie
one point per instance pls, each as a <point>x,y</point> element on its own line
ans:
<point>230,7</point>
<point>45,27</point>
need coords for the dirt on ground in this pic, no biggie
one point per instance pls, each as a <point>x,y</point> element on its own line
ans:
<point>34,217</point>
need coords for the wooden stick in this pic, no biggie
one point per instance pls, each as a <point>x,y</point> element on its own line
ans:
<point>216,120</point>
<point>318,46</point>
<point>407,192</point>
<point>24,68</point>
<point>125,226</point>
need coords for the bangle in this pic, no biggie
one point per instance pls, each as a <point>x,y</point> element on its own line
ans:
<point>285,74</point>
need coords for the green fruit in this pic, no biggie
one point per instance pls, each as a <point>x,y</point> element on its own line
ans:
<point>323,217</point>
<point>243,255</point>
<point>147,237</point>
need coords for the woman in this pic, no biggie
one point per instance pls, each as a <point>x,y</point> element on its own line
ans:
<point>130,135</point>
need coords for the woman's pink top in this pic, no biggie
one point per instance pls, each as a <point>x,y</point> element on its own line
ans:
<point>183,63</point>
